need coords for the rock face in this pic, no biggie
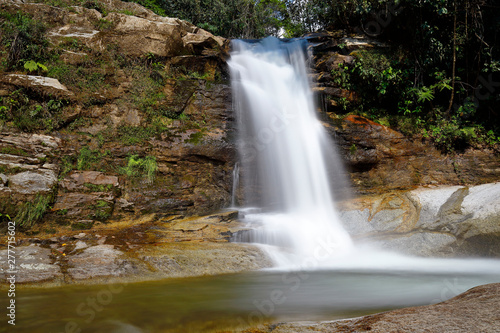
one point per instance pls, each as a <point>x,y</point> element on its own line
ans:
<point>439,221</point>
<point>28,167</point>
<point>141,32</point>
<point>141,250</point>
<point>473,311</point>
<point>381,159</point>
<point>121,73</point>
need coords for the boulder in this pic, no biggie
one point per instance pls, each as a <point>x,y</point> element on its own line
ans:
<point>28,182</point>
<point>437,221</point>
<point>33,264</point>
<point>476,310</point>
<point>45,86</point>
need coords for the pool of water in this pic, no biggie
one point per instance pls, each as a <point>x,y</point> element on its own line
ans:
<point>225,302</point>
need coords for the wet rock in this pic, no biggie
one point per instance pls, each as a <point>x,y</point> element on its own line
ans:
<point>77,179</point>
<point>472,311</point>
<point>97,261</point>
<point>33,264</point>
<point>381,159</point>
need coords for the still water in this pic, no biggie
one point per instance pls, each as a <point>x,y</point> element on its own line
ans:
<point>225,302</point>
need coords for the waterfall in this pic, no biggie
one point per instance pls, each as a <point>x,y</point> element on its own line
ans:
<point>236,183</point>
<point>284,153</point>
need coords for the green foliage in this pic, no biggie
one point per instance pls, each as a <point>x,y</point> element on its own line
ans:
<point>135,135</point>
<point>33,66</point>
<point>30,112</point>
<point>67,165</point>
<point>13,151</point>
<point>32,211</point>
<point>141,167</point>
<point>89,159</point>
<point>228,18</point>
<point>24,39</point>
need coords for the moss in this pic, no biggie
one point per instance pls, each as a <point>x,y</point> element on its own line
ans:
<point>90,159</point>
<point>141,168</point>
<point>82,225</point>
<point>196,138</point>
<point>101,211</point>
<point>99,188</point>
<point>13,151</point>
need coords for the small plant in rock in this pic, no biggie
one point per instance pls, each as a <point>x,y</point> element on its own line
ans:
<point>33,211</point>
<point>34,66</point>
<point>141,167</point>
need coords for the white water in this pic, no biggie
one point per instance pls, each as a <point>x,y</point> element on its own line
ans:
<point>282,147</point>
<point>285,174</point>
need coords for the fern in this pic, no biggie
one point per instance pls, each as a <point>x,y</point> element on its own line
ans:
<point>33,66</point>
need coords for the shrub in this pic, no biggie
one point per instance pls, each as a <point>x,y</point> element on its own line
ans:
<point>141,167</point>
<point>24,38</point>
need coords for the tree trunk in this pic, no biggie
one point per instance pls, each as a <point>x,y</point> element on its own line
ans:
<point>454,58</point>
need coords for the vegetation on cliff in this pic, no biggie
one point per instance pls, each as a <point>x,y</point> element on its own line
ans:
<point>439,79</point>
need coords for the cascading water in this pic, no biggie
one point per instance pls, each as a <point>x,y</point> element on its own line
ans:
<point>286,163</point>
<point>282,146</point>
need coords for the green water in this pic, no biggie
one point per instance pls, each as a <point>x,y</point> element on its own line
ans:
<point>217,303</point>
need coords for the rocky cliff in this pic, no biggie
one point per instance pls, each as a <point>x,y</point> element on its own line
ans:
<point>136,115</point>
<point>133,116</point>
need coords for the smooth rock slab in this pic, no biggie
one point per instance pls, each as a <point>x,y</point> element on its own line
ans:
<point>97,261</point>
<point>31,182</point>
<point>33,263</point>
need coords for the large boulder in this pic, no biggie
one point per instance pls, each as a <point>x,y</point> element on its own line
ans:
<point>438,221</point>
<point>44,86</point>
<point>139,32</point>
